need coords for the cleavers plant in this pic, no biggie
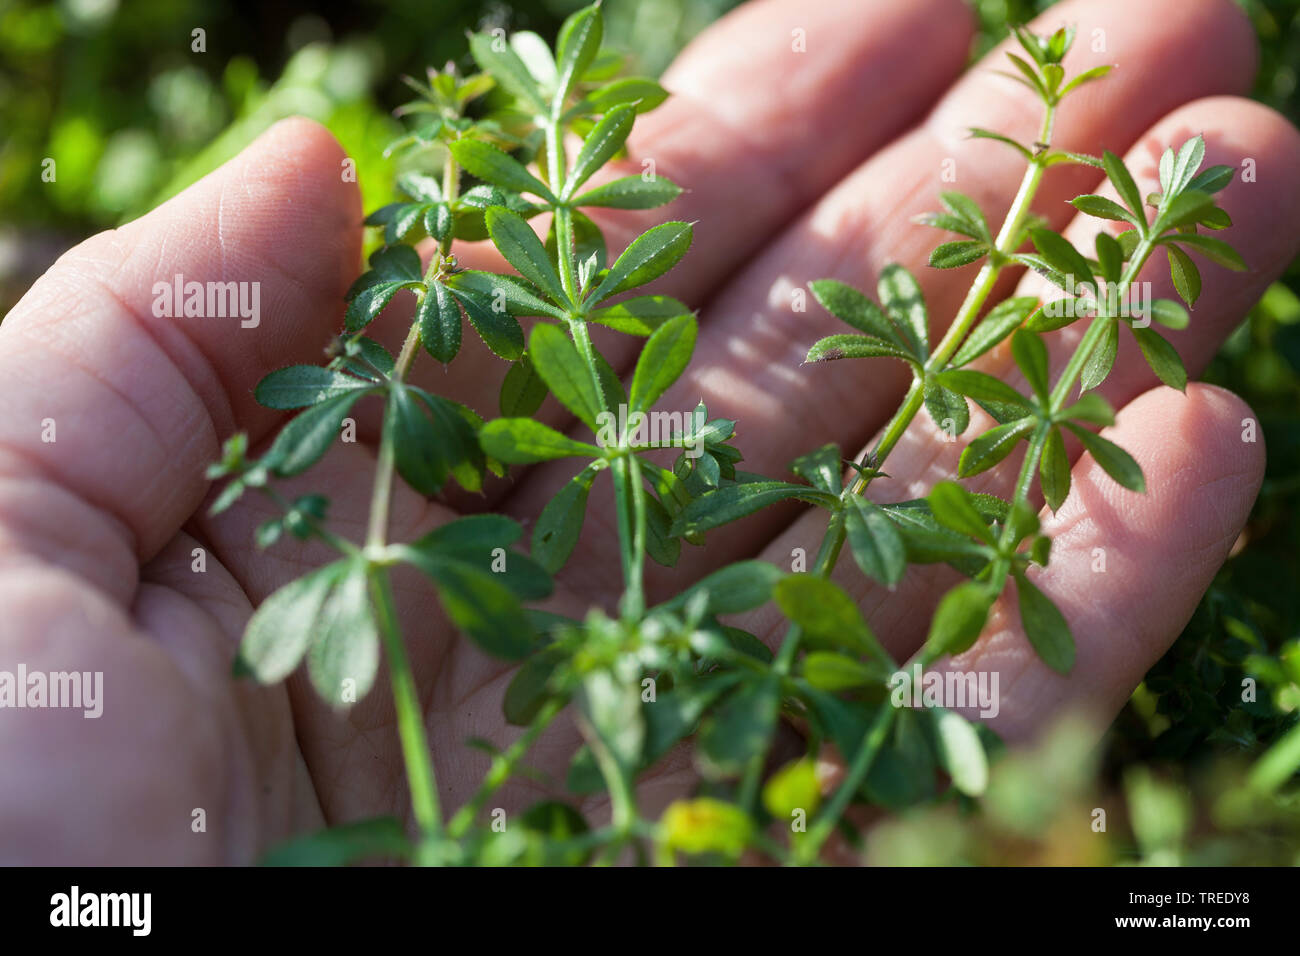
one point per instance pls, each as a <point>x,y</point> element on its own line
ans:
<point>506,130</point>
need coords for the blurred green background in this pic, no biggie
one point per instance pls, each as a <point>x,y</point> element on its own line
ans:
<point>114,91</point>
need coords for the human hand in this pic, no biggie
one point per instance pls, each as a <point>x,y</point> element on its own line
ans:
<point>100,526</point>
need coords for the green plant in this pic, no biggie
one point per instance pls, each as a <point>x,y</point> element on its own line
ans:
<point>830,672</point>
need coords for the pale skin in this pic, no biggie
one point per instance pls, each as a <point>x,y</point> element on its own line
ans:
<point>798,166</point>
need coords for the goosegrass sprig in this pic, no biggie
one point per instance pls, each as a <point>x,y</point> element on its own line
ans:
<point>527,136</point>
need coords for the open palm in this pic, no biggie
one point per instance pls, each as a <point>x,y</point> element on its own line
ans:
<point>805,155</point>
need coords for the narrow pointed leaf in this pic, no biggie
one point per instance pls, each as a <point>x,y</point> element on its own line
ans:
<point>523,250</point>
<point>1115,461</point>
<point>1162,357</point>
<point>1045,627</point>
<point>439,319</point>
<point>522,441</point>
<point>662,361</point>
<point>875,542</point>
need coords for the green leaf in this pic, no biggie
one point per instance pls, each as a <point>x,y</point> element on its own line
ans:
<point>561,367</point>
<point>741,727</point>
<point>953,255</point>
<point>983,388</point>
<point>1190,156</point>
<point>517,296</point>
<point>602,143</point>
<point>1030,355</point>
<point>498,329</point>
<point>382,837</point>
<point>821,468</point>
<point>1102,208</point>
<point>731,502</point>
<point>346,643</point>
<point>1185,275</point>
<point>1001,320</point>
<point>948,223</point>
<point>1212,179</point>
<point>1090,407</point>
<point>644,93</point>
<point>1128,191</point>
<point>827,670</point>
<point>1170,314</point>
<point>947,409</point>
<point>979,133</point>
<point>631,192</point>
<point>968,210</point>
<point>1182,209</point>
<point>660,543</point>
<point>640,315</point>
<point>849,305</point>
<point>875,542</point>
<point>960,753</point>
<point>1116,462</point>
<point>1101,360</point>
<point>299,386</point>
<point>959,619</point>
<point>1054,470</point>
<point>1087,76</point>
<point>477,602</point>
<point>1028,75</point>
<point>504,64</point>
<point>522,390</point>
<point>835,347</point>
<point>1045,626</point>
<point>439,319</point>
<point>457,430</point>
<point>952,507</point>
<point>993,446</point>
<point>1162,357</point>
<point>530,688</point>
<point>523,250</point>
<point>307,437</point>
<point>416,448</point>
<point>1061,255</point>
<point>1109,257</point>
<point>662,361</point>
<point>576,48</point>
<point>646,258</point>
<point>829,617</point>
<point>903,303</point>
<point>536,54</point>
<point>283,626</point>
<point>492,165</point>
<point>522,441</point>
<point>1216,250</point>
<point>560,523</point>
<point>737,587</point>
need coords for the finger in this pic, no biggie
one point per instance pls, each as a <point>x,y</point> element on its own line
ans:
<point>1127,570</point>
<point>769,107</point>
<point>113,411</point>
<point>1266,230</point>
<point>747,365</point>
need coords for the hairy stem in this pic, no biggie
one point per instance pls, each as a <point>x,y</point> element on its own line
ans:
<point>410,715</point>
<point>503,768</point>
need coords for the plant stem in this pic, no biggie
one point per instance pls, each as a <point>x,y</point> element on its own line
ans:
<point>406,698</point>
<point>808,848</point>
<point>1074,367</point>
<point>410,715</point>
<point>503,767</point>
<point>1008,238</point>
<point>382,491</point>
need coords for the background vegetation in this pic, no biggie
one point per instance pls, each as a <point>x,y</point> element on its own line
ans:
<point>114,91</point>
